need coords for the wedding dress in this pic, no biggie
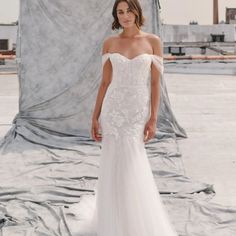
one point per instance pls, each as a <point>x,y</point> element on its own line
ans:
<point>127,200</point>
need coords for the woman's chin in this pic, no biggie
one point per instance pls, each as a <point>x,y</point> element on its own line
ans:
<point>128,25</point>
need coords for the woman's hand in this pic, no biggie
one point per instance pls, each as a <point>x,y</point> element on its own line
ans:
<point>95,131</point>
<point>150,129</point>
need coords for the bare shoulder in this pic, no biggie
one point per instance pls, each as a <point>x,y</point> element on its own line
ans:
<point>108,42</point>
<point>153,38</point>
<point>156,43</point>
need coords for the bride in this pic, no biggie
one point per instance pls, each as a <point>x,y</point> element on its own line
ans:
<point>124,119</point>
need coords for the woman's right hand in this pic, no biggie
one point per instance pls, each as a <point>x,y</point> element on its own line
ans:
<point>95,131</point>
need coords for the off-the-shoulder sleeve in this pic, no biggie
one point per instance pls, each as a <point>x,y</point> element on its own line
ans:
<point>158,62</point>
<point>104,58</point>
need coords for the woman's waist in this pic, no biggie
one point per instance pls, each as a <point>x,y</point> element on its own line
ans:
<point>129,86</point>
<point>129,82</point>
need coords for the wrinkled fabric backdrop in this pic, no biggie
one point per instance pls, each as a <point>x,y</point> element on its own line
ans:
<point>48,159</point>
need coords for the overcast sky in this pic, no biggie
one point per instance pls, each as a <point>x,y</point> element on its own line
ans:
<point>184,11</point>
<point>172,12</point>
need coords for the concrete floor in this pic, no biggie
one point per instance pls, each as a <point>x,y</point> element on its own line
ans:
<point>204,105</point>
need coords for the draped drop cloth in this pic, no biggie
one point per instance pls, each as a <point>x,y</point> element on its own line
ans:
<point>49,161</point>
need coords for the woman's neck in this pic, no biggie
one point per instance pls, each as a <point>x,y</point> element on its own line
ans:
<point>131,32</point>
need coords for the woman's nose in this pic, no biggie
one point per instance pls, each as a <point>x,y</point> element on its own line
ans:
<point>126,16</point>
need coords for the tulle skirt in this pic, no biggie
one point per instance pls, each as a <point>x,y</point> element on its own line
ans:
<point>127,201</point>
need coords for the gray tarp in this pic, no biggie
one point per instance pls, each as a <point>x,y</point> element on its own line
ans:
<point>48,160</point>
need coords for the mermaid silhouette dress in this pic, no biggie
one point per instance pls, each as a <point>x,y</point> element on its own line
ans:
<point>127,200</point>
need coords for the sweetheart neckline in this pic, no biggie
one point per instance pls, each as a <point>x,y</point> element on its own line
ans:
<point>130,59</point>
<point>157,60</point>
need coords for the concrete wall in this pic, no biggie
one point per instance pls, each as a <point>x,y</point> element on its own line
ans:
<point>9,32</point>
<point>197,33</point>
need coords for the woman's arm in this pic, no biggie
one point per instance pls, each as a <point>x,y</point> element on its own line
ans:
<point>105,82</point>
<point>150,128</point>
<point>155,81</point>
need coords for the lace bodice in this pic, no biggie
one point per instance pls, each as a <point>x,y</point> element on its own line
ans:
<point>126,105</point>
<point>157,60</point>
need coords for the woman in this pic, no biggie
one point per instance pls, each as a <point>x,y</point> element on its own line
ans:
<point>127,200</point>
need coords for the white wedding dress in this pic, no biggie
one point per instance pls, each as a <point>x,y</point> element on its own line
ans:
<point>127,200</point>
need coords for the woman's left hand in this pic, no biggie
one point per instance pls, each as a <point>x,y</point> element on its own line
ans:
<point>150,129</point>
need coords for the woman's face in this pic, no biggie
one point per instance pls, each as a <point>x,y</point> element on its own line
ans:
<point>125,16</point>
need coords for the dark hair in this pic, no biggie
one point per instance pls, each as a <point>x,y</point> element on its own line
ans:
<point>135,7</point>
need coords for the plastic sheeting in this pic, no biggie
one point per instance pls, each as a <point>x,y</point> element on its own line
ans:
<point>48,159</point>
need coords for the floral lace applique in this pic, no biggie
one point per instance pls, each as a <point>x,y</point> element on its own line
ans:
<point>126,105</point>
